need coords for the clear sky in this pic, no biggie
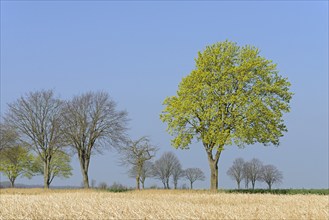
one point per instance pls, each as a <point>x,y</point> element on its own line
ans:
<point>139,52</point>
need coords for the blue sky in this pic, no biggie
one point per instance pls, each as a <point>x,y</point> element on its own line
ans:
<point>139,52</point>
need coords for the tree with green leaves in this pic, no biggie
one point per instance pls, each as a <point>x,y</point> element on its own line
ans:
<point>59,166</point>
<point>234,96</point>
<point>16,161</point>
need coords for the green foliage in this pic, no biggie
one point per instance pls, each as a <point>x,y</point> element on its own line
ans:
<point>16,161</point>
<point>233,96</point>
<point>279,191</point>
<point>59,166</point>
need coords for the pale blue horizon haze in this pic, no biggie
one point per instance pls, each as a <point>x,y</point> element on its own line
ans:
<point>139,52</point>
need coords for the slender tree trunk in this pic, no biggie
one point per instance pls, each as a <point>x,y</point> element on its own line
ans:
<point>175,184</point>
<point>238,185</point>
<point>164,184</point>
<point>167,183</point>
<point>137,182</point>
<point>143,181</point>
<point>253,185</point>
<point>270,186</point>
<point>191,185</point>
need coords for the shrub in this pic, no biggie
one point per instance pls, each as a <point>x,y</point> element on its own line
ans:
<point>117,187</point>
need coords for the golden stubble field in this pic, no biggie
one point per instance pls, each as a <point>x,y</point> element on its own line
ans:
<point>157,204</point>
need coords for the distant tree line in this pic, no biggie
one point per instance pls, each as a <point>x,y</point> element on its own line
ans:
<point>138,157</point>
<point>252,171</point>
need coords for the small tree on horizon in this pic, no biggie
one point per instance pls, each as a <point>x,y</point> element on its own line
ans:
<point>254,169</point>
<point>236,171</point>
<point>135,154</point>
<point>163,168</point>
<point>194,174</point>
<point>146,172</point>
<point>271,175</point>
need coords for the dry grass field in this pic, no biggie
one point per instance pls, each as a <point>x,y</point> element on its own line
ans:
<point>157,204</point>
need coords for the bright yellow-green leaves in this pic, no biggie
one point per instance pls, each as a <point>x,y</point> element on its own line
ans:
<point>233,96</point>
<point>16,161</point>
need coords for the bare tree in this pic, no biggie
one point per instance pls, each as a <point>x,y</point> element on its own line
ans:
<point>236,171</point>
<point>146,172</point>
<point>135,154</point>
<point>37,117</point>
<point>194,174</point>
<point>92,123</point>
<point>246,174</point>
<point>159,172</point>
<point>177,173</point>
<point>254,170</point>
<point>164,166</point>
<point>8,136</point>
<point>270,175</point>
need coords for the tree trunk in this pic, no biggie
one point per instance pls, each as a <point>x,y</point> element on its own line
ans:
<point>175,184</point>
<point>191,185</point>
<point>12,182</point>
<point>143,181</point>
<point>164,184</point>
<point>46,173</point>
<point>84,164</point>
<point>137,182</point>
<point>213,164</point>
<point>238,185</point>
<point>253,185</point>
<point>213,174</point>
<point>167,183</point>
<point>270,186</point>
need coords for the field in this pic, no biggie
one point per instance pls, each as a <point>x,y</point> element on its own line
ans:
<point>157,204</point>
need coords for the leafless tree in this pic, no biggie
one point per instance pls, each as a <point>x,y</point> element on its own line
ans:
<point>246,174</point>
<point>254,170</point>
<point>194,174</point>
<point>92,123</point>
<point>146,172</point>
<point>135,154</point>
<point>164,166</point>
<point>236,171</point>
<point>270,175</point>
<point>8,136</point>
<point>177,173</point>
<point>37,117</point>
